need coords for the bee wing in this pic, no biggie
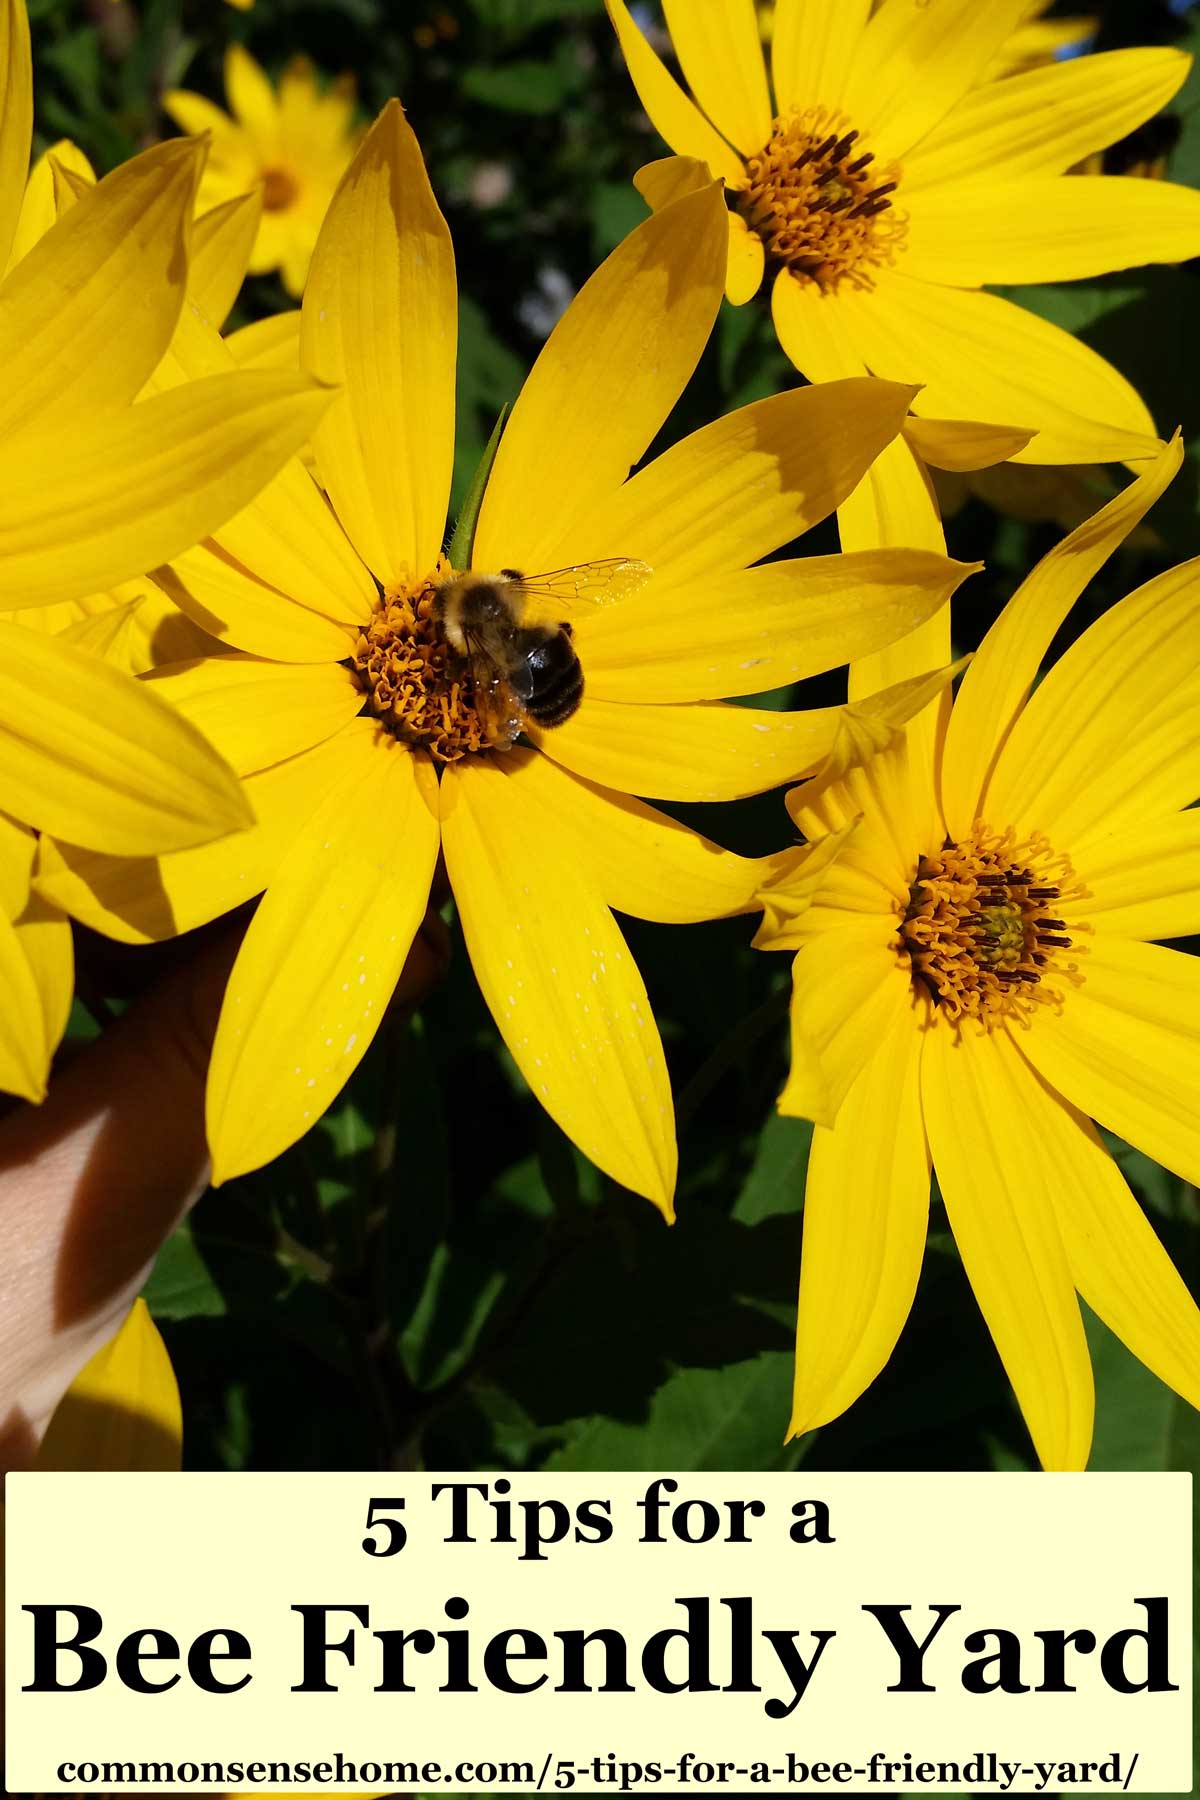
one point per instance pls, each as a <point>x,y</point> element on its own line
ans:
<point>601,583</point>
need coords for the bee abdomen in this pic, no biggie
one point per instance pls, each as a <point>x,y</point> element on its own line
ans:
<point>556,682</point>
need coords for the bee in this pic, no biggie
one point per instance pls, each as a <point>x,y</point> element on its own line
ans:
<point>510,630</point>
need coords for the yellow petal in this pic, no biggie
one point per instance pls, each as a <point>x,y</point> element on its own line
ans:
<point>760,628</point>
<point>812,50</point>
<point>255,713</point>
<point>380,322</point>
<point>141,900</point>
<point>813,329</point>
<point>610,372</point>
<point>1124,1047</point>
<point>850,993</point>
<point>122,1410</point>
<point>251,96</point>
<point>125,491</point>
<point>915,61</point>
<point>323,953</point>
<point>983,358</point>
<point>227,602</point>
<point>24,1053</point>
<point>963,444</point>
<point>737,489</point>
<point>1051,228</point>
<point>1111,736</point>
<point>709,751</point>
<point>802,878</point>
<point>287,538</point>
<point>674,115</point>
<point>1116,1261</point>
<point>982,1107</point>
<point>17,847</point>
<point>866,1210</point>
<point>105,634</point>
<point>640,861</point>
<point>45,938</point>
<point>555,971</point>
<point>198,116</point>
<point>222,240</point>
<point>744,270</point>
<point>1045,121</point>
<point>670,178</point>
<point>720,53</point>
<point>1005,665</point>
<point>272,343</point>
<point>38,209</point>
<point>894,504</point>
<point>91,308</point>
<point>1144,882</point>
<point>881,776</point>
<point>702,752</point>
<point>94,757</point>
<point>16,117</point>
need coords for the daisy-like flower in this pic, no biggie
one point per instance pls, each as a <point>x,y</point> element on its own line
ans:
<point>93,490</point>
<point>371,747</point>
<point>884,186</point>
<point>975,982</point>
<point>294,144</point>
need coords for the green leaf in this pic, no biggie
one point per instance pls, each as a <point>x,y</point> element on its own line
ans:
<point>463,541</point>
<point>520,87</point>
<point>730,1418</point>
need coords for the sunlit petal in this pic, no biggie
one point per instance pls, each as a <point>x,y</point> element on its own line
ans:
<point>720,53</point>
<point>561,984</point>
<point>1125,1045</point>
<point>323,953</point>
<point>1005,665</point>
<point>674,115</point>
<point>122,1411</point>
<point>609,374</point>
<point>380,322</point>
<point>981,1104</point>
<point>127,490</point>
<point>866,1210</point>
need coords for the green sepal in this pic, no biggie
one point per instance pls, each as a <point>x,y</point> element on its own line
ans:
<point>463,541</point>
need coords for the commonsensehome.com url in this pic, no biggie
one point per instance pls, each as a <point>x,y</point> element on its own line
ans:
<point>984,1769</point>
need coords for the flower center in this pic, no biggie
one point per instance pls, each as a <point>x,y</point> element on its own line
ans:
<point>420,687</point>
<point>983,930</point>
<point>279,189</point>
<point>819,202</point>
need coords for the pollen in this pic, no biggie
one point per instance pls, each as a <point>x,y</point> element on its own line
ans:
<point>984,931</point>
<point>414,682</point>
<point>820,203</point>
<point>279,190</point>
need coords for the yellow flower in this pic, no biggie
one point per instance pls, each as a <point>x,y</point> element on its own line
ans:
<point>294,144</point>
<point>884,186</point>
<point>330,607</point>
<point>975,982</point>
<point>92,491</point>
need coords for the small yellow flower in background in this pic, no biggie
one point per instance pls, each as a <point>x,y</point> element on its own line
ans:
<point>975,982</point>
<point>369,749</point>
<point>884,185</point>
<point>122,1410</point>
<point>94,490</point>
<point>295,144</point>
